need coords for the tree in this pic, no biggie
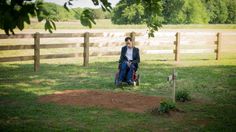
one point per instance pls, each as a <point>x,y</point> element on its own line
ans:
<point>14,13</point>
<point>217,10</point>
<point>100,14</point>
<point>139,11</point>
<point>172,11</point>
<point>231,6</point>
<point>58,12</point>
<point>127,12</point>
<point>78,12</point>
<point>195,12</point>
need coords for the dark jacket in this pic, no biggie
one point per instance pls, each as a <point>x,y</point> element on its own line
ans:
<point>136,56</point>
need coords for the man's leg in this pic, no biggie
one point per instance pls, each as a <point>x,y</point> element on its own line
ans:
<point>130,73</point>
<point>123,69</point>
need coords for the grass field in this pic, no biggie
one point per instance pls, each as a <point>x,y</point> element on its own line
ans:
<point>107,24</point>
<point>211,84</point>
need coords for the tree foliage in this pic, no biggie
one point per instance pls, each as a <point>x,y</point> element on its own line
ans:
<point>184,12</point>
<point>16,12</point>
<point>57,11</point>
<point>77,13</point>
<point>87,17</point>
<point>195,12</point>
<point>138,12</point>
<point>199,11</point>
<point>217,10</point>
<point>172,11</point>
<point>177,12</point>
<point>100,14</point>
<point>231,6</point>
<point>128,12</point>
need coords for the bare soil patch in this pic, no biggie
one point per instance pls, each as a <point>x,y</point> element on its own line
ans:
<point>89,98</point>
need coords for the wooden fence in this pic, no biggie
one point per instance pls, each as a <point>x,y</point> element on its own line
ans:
<point>37,46</point>
<point>86,44</point>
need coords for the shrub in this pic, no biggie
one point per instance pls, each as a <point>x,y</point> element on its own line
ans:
<point>182,96</point>
<point>165,107</point>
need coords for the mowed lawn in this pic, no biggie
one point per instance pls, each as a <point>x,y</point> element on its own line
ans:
<point>211,83</point>
<point>107,24</point>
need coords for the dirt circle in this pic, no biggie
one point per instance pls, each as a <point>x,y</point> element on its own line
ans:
<point>112,100</point>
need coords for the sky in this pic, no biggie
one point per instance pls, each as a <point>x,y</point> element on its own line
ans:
<point>82,3</point>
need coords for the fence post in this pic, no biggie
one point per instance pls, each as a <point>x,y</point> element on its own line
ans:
<point>86,49</point>
<point>36,51</point>
<point>177,43</point>
<point>132,35</point>
<point>218,47</point>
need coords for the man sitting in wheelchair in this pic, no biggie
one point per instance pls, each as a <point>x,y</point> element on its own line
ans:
<point>128,63</point>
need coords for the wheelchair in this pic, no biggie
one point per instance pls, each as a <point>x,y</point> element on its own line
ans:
<point>135,77</point>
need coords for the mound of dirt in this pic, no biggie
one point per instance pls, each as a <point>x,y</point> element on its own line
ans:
<point>123,101</point>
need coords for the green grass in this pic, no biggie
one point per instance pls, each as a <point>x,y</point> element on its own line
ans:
<point>100,24</point>
<point>210,83</point>
<point>200,26</point>
<point>107,24</point>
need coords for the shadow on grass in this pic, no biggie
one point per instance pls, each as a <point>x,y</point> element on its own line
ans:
<point>60,77</point>
<point>20,111</point>
<point>213,81</point>
<point>20,87</point>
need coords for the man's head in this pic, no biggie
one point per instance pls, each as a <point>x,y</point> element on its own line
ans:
<point>128,41</point>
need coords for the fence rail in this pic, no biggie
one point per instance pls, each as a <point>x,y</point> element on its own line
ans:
<point>177,40</point>
<point>37,46</point>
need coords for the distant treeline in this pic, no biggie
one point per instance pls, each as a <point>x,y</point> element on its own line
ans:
<point>179,12</point>
<point>173,12</point>
<point>61,14</point>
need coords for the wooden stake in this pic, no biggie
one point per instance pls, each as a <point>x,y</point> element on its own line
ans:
<point>86,49</point>
<point>36,51</point>
<point>132,35</point>
<point>177,46</point>
<point>218,47</point>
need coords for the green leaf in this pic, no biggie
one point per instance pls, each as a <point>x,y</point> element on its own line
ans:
<point>39,16</point>
<point>12,31</point>
<point>87,18</point>
<point>27,19</point>
<point>65,6</point>
<point>48,25</point>
<point>6,31</point>
<point>54,25</point>
<point>70,3</point>
<point>20,23</point>
<point>95,2</point>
